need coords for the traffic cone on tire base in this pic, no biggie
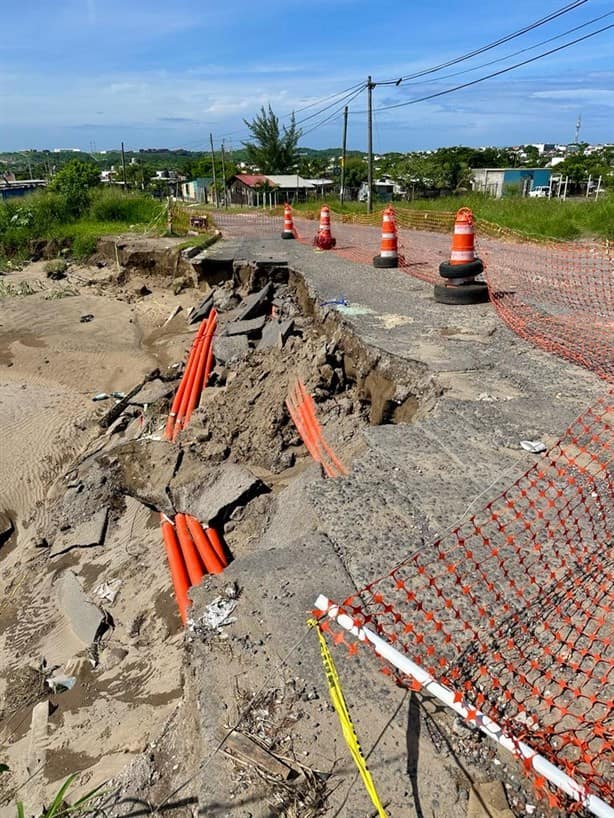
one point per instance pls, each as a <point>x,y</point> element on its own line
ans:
<point>324,239</point>
<point>389,249</point>
<point>288,223</point>
<point>459,285</point>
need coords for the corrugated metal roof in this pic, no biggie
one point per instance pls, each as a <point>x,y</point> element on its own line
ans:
<point>291,180</point>
<point>253,179</point>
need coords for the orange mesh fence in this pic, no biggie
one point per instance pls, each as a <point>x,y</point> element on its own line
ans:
<point>514,608</point>
<point>558,296</point>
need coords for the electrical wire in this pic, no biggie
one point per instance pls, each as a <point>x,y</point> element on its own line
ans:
<point>528,48</point>
<point>469,55</point>
<point>335,115</point>
<point>494,73</point>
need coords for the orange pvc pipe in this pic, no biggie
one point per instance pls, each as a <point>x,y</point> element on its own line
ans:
<point>208,555</point>
<point>216,542</point>
<point>189,377</point>
<point>179,574</point>
<point>311,411</point>
<point>300,427</point>
<point>203,370</point>
<point>189,551</point>
<point>170,423</point>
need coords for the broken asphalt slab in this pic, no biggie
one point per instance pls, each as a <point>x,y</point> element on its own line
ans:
<point>208,495</point>
<point>252,326</point>
<point>87,620</point>
<point>87,534</point>
<point>202,311</point>
<point>275,334</point>
<point>255,304</point>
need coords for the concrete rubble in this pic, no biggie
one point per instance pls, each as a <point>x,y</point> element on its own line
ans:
<point>86,619</point>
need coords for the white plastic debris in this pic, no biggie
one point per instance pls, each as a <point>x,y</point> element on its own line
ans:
<point>101,396</point>
<point>108,590</point>
<point>217,613</point>
<point>61,682</point>
<point>533,446</point>
<point>530,808</point>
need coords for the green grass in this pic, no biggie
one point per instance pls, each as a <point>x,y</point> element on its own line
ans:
<point>46,215</point>
<point>547,218</point>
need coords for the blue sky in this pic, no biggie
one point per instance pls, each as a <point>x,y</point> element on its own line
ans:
<point>153,73</point>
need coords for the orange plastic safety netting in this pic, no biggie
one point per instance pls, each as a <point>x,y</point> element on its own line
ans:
<point>514,608</point>
<point>558,296</point>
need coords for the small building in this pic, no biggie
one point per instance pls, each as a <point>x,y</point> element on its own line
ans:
<point>272,189</point>
<point>383,190</point>
<point>498,182</point>
<point>251,190</point>
<point>197,190</point>
<point>11,188</point>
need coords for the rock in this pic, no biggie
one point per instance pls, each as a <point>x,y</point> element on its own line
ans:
<point>85,319</point>
<point>251,327</point>
<point>488,800</point>
<point>227,348</point>
<point>225,300</point>
<point>256,303</point>
<point>275,333</point>
<point>6,527</point>
<point>147,468</point>
<point>87,620</point>
<point>175,312</point>
<point>202,311</point>
<point>216,492</point>
<point>151,392</point>
<point>181,283</point>
<point>85,535</point>
<point>142,290</point>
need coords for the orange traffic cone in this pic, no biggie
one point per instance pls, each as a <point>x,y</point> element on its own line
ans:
<point>389,252</point>
<point>288,223</point>
<point>459,285</point>
<point>324,240</point>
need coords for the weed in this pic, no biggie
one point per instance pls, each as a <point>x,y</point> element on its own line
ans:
<point>59,808</point>
<point>8,290</point>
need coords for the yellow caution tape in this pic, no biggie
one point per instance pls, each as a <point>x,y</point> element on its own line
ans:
<point>349,733</point>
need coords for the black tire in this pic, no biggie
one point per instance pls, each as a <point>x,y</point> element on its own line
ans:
<point>287,235</point>
<point>385,262</point>
<point>471,268</point>
<point>476,293</point>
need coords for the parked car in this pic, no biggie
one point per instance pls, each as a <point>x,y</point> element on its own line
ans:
<point>540,192</point>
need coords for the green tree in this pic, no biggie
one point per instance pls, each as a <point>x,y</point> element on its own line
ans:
<point>273,149</point>
<point>74,181</point>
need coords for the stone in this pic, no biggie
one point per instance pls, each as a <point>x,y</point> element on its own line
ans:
<point>275,334</point>
<point>488,800</point>
<point>215,493</point>
<point>87,534</point>
<point>227,348</point>
<point>153,391</point>
<point>86,619</point>
<point>252,326</point>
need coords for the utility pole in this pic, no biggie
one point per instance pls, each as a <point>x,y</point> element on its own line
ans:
<point>213,166</point>
<point>124,166</point>
<point>345,136</point>
<point>224,175</point>
<point>370,87</point>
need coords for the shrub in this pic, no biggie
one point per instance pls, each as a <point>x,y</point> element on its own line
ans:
<point>114,205</point>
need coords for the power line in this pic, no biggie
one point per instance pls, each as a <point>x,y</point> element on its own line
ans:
<point>335,114</point>
<point>494,73</point>
<point>469,55</point>
<point>528,48</point>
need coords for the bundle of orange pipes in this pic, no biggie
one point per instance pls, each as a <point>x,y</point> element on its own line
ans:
<point>192,552</point>
<point>195,377</point>
<point>303,413</point>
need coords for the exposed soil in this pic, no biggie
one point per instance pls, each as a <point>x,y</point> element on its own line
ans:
<point>149,703</point>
